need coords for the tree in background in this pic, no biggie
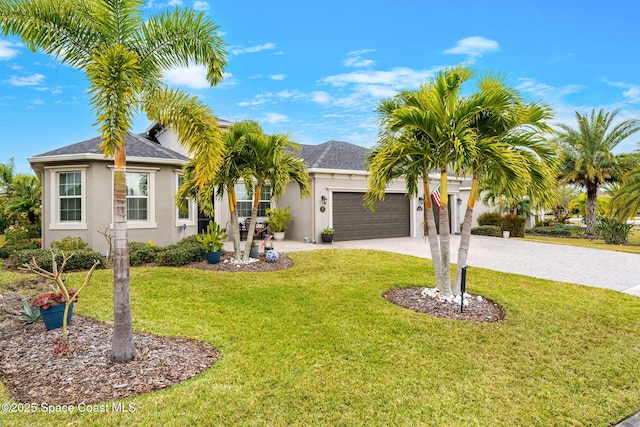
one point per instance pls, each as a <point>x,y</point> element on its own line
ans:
<point>20,199</point>
<point>123,56</point>
<point>587,155</point>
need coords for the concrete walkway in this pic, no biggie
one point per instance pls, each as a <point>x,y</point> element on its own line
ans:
<point>618,271</point>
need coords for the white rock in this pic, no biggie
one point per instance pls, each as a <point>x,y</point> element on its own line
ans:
<point>479,298</point>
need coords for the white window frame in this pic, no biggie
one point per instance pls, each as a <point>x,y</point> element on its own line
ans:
<point>191,206</point>
<point>150,222</point>
<point>54,222</point>
<point>269,201</point>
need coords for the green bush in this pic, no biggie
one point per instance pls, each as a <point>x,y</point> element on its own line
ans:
<point>514,225</point>
<point>558,230</point>
<point>487,230</point>
<point>7,250</point>
<point>71,244</point>
<point>490,218</point>
<point>17,235</point>
<point>82,260</point>
<point>176,255</point>
<point>142,253</point>
<point>613,231</point>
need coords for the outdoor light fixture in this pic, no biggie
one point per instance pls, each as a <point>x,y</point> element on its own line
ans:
<point>323,198</point>
<point>421,200</point>
<point>459,202</point>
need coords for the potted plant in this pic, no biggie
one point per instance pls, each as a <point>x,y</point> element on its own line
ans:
<point>277,219</point>
<point>52,307</point>
<point>327,234</point>
<point>56,307</point>
<point>213,241</point>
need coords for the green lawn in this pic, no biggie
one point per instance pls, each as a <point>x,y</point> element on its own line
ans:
<point>633,247</point>
<point>317,345</point>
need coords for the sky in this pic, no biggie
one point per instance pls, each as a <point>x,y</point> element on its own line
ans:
<point>317,70</point>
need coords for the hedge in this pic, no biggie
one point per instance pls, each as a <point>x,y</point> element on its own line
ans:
<point>487,230</point>
<point>81,260</point>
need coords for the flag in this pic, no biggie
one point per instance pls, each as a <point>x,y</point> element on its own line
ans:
<point>436,196</point>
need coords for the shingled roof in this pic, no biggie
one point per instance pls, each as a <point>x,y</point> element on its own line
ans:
<point>137,146</point>
<point>334,155</point>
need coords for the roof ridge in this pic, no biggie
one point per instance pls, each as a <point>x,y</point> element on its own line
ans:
<point>317,163</point>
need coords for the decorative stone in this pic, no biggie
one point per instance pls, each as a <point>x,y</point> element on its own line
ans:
<point>271,256</point>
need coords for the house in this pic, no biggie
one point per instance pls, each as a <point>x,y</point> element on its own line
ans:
<point>77,185</point>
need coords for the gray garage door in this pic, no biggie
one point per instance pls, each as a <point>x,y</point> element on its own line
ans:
<point>352,221</point>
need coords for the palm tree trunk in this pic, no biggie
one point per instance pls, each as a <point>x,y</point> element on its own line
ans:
<point>445,240</point>
<point>465,238</point>
<point>234,231</point>
<point>592,198</point>
<point>432,236</point>
<point>252,223</point>
<point>122,346</point>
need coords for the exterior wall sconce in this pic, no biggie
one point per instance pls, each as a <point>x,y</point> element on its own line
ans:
<point>323,199</point>
<point>420,203</point>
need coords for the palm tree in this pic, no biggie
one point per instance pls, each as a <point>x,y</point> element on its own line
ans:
<point>232,171</point>
<point>587,158</point>
<point>270,160</point>
<point>424,130</point>
<point>511,157</point>
<point>123,56</point>
<point>24,195</point>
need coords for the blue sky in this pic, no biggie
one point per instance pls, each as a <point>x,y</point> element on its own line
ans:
<point>318,69</point>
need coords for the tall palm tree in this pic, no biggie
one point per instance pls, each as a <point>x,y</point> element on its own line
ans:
<point>123,56</point>
<point>587,158</point>
<point>270,160</point>
<point>424,130</point>
<point>510,153</point>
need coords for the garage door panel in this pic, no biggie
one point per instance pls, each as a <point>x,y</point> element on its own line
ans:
<point>352,221</point>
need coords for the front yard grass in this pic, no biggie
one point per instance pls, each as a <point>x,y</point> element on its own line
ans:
<point>318,345</point>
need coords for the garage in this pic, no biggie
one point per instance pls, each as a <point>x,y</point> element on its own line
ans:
<point>352,221</point>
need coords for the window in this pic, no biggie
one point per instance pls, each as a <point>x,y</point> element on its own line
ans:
<point>183,211</point>
<point>245,201</point>
<point>67,197</point>
<point>70,194</point>
<point>137,196</point>
<point>140,192</point>
<point>186,214</point>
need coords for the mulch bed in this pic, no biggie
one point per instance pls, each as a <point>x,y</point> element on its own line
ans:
<point>477,311</point>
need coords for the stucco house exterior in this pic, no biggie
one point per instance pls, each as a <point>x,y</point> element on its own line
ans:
<point>77,185</point>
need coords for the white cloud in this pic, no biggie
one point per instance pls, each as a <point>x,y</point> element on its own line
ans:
<point>320,97</point>
<point>239,50</point>
<point>194,77</point>
<point>7,50</point>
<point>545,91</point>
<point>355,59</point>
<point>405,78</point>
<point>277,76</point>
<point>260,99</point>
<point>632,92</point>
<point>175,3</point>
<point>39,102</point>
<point>32,80</point>
<point>273,118</point>
<point>474,47</point>
<point>200,5</point>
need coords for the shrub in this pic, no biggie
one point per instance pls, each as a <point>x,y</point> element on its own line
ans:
<point>181,253</point>
<point>558,230</point>
<point>613,231</point>
<point>490,218</point>
<point>82,260</point>
<point>514,225</point>
<point>7,250</point>
<point>141,253</point>
<point>16,235</point>
<point>487,230</point>
<point>71,244</point>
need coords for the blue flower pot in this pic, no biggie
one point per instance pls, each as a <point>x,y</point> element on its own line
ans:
<point>213,257</point>
<point>52,316</point>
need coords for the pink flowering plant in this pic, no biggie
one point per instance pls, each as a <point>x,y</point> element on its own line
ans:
<point>49,299</point>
